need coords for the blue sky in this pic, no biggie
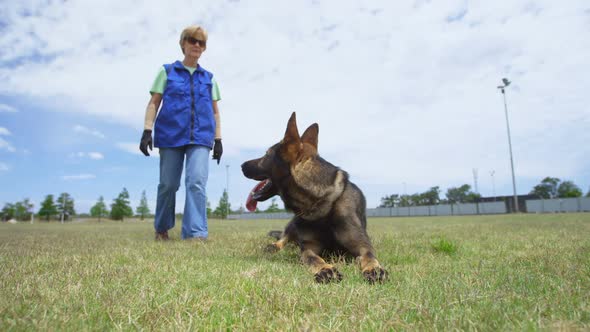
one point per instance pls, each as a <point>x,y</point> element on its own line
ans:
<point>404,93</point>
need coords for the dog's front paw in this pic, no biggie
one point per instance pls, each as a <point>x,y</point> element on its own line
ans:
<point>327,275</point>
<point>375,275</point>
<point>271,248</point>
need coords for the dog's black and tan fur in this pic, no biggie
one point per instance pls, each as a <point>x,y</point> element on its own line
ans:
<point>329,209</point>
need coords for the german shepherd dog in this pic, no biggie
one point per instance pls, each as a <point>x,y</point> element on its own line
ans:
<point>329,209</point>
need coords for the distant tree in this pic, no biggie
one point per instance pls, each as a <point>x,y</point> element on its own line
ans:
<point>143,209</point>
<point>457,194</point>
<point>431,196</point>
<point>568,189</point>
<point>472,197</point>
<point>209,210</point>
<point>99,209</point>
<point>8,211</point>
<point>48,208</point>
<point>120,207</point>
<point>65,206</point>
<point>390,201</point>
<point>547,188</point>
<point>23,210</point>
<point>588,193</point>
<point>20,211</point>
<point>405,200</point>
<point>274,207</point>
<point>462,194</point>
<point>415,199</point>
<point>29,207</point>
<point>223,207</point>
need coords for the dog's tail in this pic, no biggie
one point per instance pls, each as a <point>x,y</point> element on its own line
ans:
<point>275,234</point>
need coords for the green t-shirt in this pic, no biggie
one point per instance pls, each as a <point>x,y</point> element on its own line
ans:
<point>160,83</point>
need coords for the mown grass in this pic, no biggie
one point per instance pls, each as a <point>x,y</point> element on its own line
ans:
<point>444,246</point>
<point>508,272</point>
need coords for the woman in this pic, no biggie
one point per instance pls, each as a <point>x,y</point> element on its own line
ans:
<point>188,127</point>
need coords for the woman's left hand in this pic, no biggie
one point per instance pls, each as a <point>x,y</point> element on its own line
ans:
<point>217,150</point>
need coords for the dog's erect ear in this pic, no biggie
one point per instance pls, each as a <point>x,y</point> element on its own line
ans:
<point>310,136</point>
<point>291,145</point>
<point>292,134</point>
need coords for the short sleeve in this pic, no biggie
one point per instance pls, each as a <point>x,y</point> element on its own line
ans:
<point>215,91</point>
<point>160,82</point>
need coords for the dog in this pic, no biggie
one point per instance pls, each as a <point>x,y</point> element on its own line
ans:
<point>329,210</point>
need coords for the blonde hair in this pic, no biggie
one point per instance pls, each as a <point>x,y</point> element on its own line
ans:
<point>194,31</point>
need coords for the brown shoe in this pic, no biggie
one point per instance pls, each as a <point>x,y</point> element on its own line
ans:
<point>162,236</point>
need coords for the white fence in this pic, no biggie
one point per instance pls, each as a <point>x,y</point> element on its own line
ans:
<point>579,204</point>
<point>412,211</point>
<point>440,210</point>
<point>277,215</point>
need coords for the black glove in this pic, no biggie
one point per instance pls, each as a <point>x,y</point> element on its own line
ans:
<point>146,140</point>
<point>217,150</point>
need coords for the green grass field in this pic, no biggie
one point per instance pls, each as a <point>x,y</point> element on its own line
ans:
<point>506,272</point>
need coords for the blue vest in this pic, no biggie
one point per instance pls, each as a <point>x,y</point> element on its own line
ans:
<point>186,116</point>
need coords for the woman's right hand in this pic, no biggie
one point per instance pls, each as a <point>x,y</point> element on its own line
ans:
<point>146,140</point>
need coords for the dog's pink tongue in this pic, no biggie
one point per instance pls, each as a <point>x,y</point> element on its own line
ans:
<point>250,202</point>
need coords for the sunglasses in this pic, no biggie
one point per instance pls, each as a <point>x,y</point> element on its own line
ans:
<point>195,41</point>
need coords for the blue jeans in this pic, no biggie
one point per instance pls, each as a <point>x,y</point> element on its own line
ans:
<point>194,221</point>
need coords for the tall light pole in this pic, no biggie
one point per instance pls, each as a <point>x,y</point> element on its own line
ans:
<point>492,172</point>
<point>506,83</point>
<point>227,190</point>
<point>475,189</point>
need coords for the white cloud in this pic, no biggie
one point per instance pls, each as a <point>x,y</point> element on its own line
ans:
<point>5,145</point>
<point>78,177</point>
<point>95,155</point>
<point>77,155</point>
<point>402,91</point>
<point>7,109</point>
<point>133,148</point>
<point>4,131</point>
<point>4,167</point>
<point>90,155</point>
<point>88,131</point>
